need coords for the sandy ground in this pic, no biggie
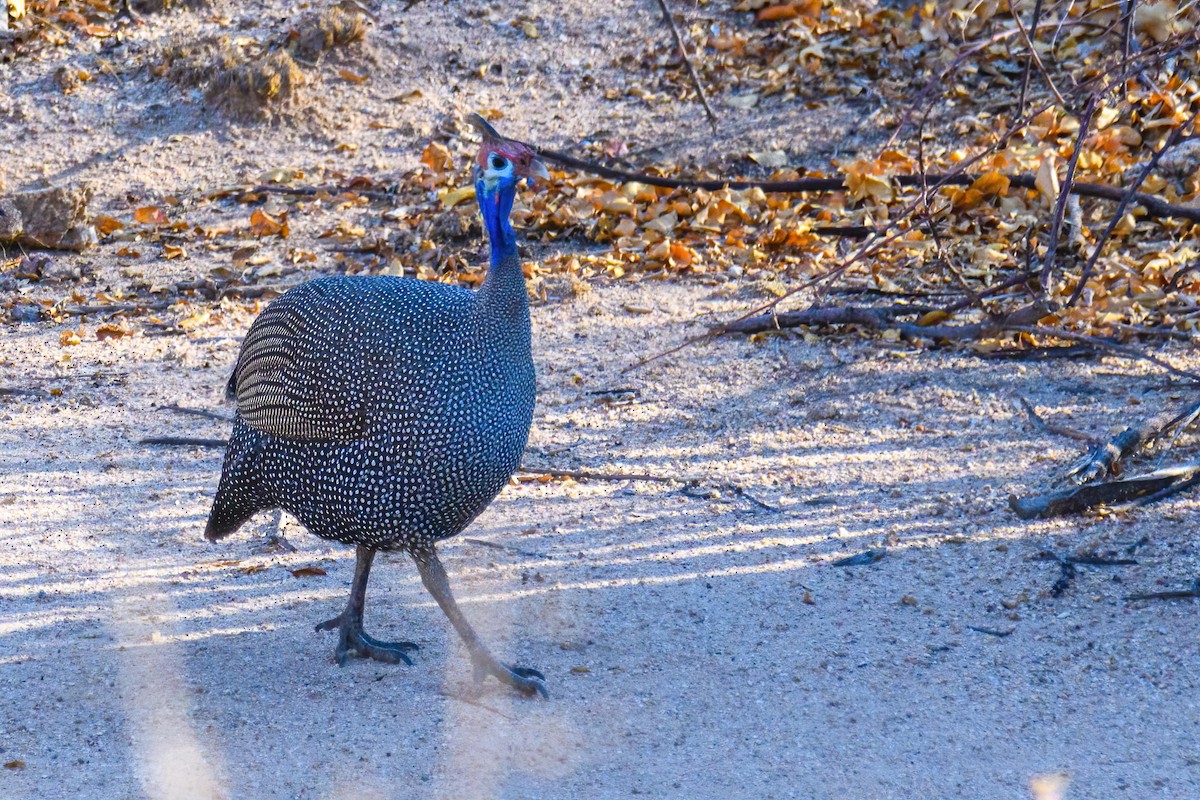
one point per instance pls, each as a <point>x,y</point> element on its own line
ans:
<point>697,641</point>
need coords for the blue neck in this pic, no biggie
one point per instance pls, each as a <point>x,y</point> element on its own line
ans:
<point>495,205</point>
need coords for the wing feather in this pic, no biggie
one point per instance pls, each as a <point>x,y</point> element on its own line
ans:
<point>296,377</point>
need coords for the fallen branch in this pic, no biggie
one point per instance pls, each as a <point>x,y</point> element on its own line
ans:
<point>197,412</point>
<point>112,308</point>
<point>1105,458</point>
<point>504,547</point>
<point>885,318</point>
<point>1022,320</point>
<point>1141,490</point>
<point>1155,206</point>
<point>608,476</point>
<point>862,559</point>
<point>1178,594</point>
<point>183,441</point>
<point>992,631</point>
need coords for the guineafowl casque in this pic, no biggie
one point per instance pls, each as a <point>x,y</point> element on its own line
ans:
<point>388,412</point>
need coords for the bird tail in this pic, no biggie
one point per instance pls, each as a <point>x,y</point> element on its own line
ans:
<point>239,495</point>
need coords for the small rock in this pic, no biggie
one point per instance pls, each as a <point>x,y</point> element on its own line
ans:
<point>25,312</point>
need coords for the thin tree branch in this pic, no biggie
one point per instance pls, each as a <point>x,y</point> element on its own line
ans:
<point>683,53</point>
<point>1060,202</point>
<point>1033,54</point>
<point>1175,138</point>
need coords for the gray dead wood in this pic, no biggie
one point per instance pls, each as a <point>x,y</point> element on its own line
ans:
<point>1105,458</point>
<point>1142,489</point>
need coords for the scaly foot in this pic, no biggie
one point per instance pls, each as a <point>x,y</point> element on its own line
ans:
<point>352,641</point>
<point>526,680</point>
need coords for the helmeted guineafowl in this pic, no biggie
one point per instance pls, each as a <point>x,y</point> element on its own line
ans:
<point>387,412</point>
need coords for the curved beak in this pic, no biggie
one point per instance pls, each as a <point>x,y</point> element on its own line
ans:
<point>537,169</point>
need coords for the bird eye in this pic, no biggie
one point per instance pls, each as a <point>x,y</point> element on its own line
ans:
<point>498,162</point>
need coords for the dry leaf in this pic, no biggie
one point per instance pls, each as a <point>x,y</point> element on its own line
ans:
<point>1049,787</point>
<point>408,98</point>
<point>866,178</point>
<point>242,255</point>
<point>280,175</point>
<point>778,13</point>
<point>1046,180</point>
<point>453,197</point>
<point>1155,19</point>
<point>151,215</point>
<point>263,224</point>
<point>107,225</point>
<point>171,252</point>
<point>437,157</point>
<point>742,101</point>
<point>932,318</point>
<point>305,572</point>
<point>352,77</point>
<point>771,160</point>
<point>110,331</point>
<point>992,184</point>
<point>69,339</point>
<point>16,763</point>
<point>194,320</point>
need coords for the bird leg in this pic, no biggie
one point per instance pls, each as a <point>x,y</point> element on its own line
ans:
<point>349,624</point>
<point>525,680</point>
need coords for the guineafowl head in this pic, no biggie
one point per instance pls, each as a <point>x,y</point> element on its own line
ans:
<point>502,161</point>
<point>500,166</point>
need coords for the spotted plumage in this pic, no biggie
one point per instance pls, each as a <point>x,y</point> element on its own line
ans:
<point>388,412</point>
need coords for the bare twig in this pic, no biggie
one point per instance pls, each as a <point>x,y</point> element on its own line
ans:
<point>991,631</point>
<point>1050,427</point>
<point>1060,202</point>
<point>1127,41</point>
<point>1033,54</point>
<point>683,53</point>
<point>197,412</point>
<point>182,441</point>
<point>506,548</point>
<point>608,476</point>
<point>459,697</point>
<point>1179,594</point>
<point>112,308</point>
<point>1181,423</point>
<point>1175,138</point>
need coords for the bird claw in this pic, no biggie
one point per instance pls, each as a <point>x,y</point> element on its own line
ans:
<point>353,642</point>
<point>526,680</point>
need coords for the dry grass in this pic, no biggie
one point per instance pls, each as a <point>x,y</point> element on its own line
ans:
<point>255,80</point>
<point>316,34</point>
<point>190,63</point>
<point>246,86</point>
<point>258,87</point>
